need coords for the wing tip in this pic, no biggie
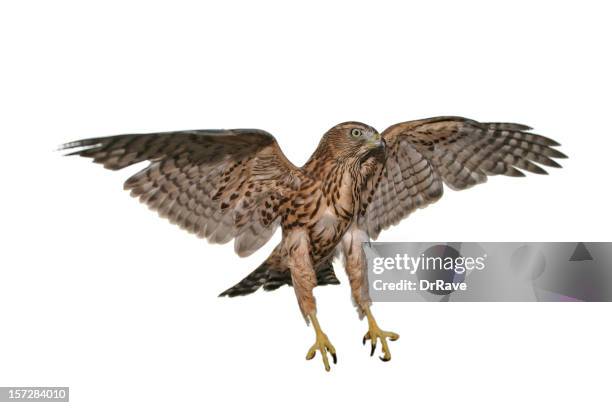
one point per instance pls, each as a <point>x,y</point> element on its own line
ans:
<point>513,172</point>
<point>81,146</point>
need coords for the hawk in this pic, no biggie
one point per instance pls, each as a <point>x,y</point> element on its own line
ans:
<point>238,184</point>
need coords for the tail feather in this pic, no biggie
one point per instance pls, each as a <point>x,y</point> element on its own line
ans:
<point>250,284</point>
<point>326,275</point>
<point>272,279</point>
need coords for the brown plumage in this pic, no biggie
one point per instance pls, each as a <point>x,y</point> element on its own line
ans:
<point>237,184</point>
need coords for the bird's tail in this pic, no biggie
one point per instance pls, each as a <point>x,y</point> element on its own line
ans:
<point>272,278</point>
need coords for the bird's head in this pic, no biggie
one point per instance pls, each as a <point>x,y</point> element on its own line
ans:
<point>354,140</point>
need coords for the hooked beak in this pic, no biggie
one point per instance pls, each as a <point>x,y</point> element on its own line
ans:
<point>376,142</point>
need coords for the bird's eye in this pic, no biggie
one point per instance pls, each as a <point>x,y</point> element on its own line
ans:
<point>356,132</point>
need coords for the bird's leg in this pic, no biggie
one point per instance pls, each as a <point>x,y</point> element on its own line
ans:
<point>304,279</point>
<point>322,343</point>
<point>375,332</point>
<point>356,269</point>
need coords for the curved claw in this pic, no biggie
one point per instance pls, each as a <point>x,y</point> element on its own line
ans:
<point>324,346</point>
<point>375,333</point>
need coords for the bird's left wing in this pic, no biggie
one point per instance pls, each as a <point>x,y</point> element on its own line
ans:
<point>459,152</point>
<point>218,184</point>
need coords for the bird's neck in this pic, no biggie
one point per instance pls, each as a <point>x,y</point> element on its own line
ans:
<point>341,181</point>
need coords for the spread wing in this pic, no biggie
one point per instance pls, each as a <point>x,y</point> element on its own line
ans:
<point>459,152</point>
<point>217,184</point>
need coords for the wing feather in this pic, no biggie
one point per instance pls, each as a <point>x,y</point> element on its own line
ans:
<point>423,155</point>
<point>218,184</point>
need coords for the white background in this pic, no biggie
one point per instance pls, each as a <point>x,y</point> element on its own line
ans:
<point>99,294</point>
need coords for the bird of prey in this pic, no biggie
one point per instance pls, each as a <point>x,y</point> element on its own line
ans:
<point>238,184</point>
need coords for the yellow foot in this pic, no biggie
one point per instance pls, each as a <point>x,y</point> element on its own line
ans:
<point>322,344</point>
<point>374,333</point>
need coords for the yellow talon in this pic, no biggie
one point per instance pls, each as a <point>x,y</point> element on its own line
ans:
<point>322,344</point>
<point>374,333</point>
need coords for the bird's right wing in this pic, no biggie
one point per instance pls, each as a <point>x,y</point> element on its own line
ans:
<point>422,155</point>
<point>218,184</point>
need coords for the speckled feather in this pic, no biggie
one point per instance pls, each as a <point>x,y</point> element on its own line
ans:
<point>216,184</point>
<point>425,154</point>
